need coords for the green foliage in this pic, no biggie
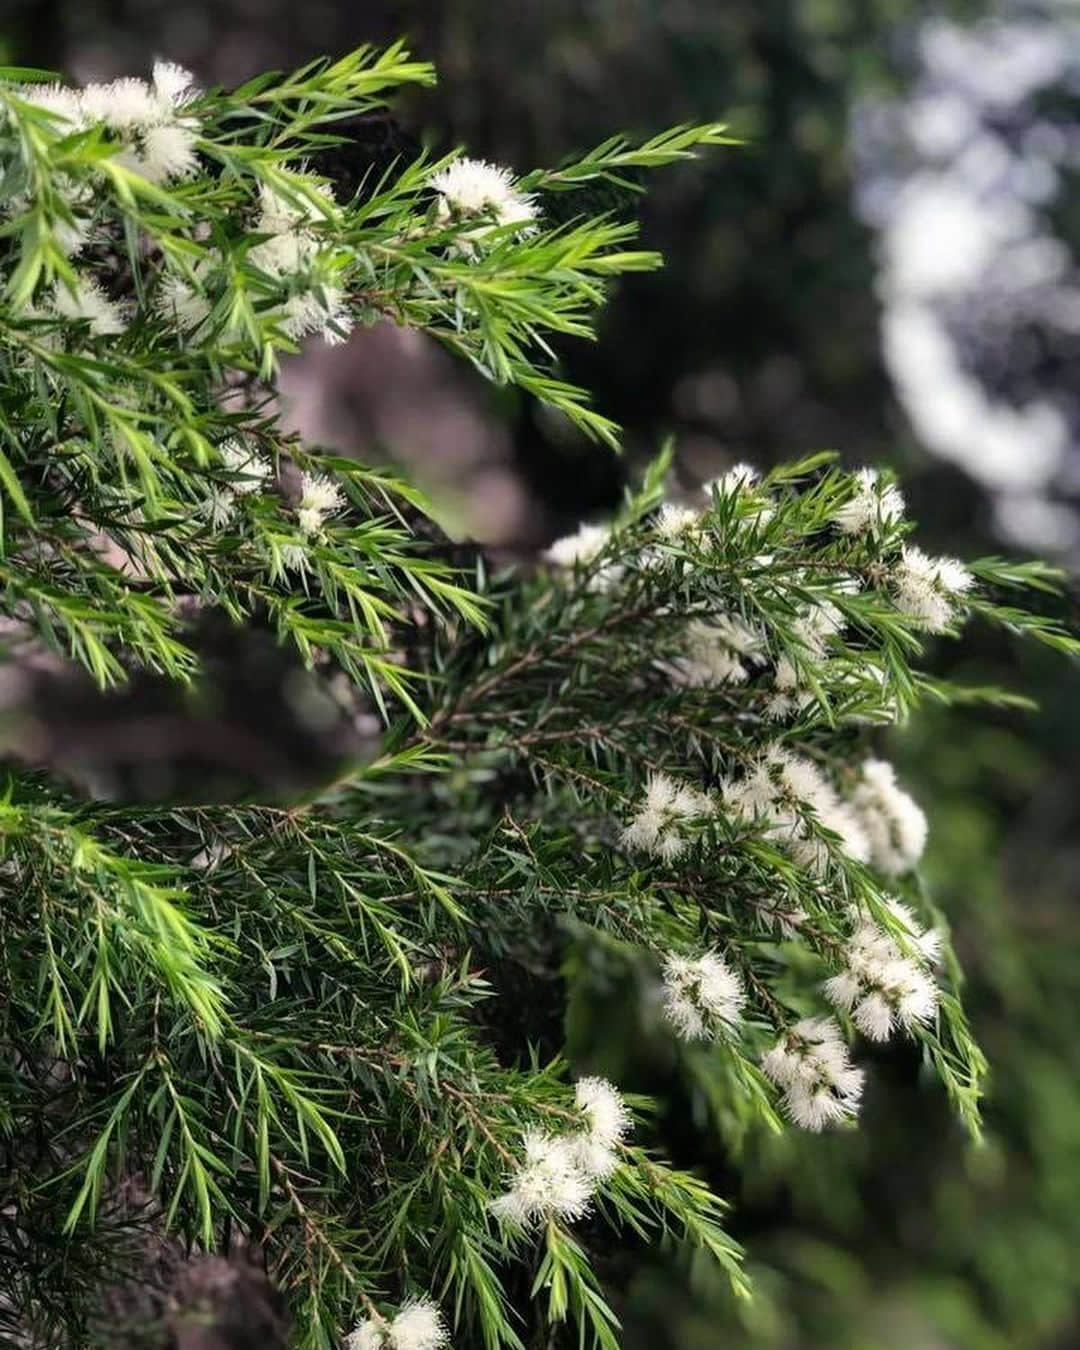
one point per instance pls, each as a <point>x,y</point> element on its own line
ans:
<point>333,1026</point>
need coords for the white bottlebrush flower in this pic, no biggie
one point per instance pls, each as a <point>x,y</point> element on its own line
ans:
<point>789,697</point>
<point>284,255</point>
<point>928,588</point>
<point>817,624</point>
<point>250,472</point>
<point>882,987</point>
<point>158,140</point>
<point>721,650</point>
<point>178,302</point>
<point>604,1110</point>
<point>320,310</point>
<point>674,521</point>
<point>873,506</point>
<point>280,214</point>
<point>124,105</point>
<point>926,941</point>
<point>894,823</point>
<point>89,302</point>
<point>368,1335</point>
<point>549,1184</point>
<point>659,825</point>
<point>703,997</point>
<point>607,1123</point>
<point>167,153</point>
<point>418,1326</point>
<point>218,506</point>
<point>580,548</point>
<point>473,187</point>
<point>56,99</point>
<point>173,85</point>
<point>319,497</point>
<point>739,478</point>
<point>789,796</point>
<point>811,1066</point>
<point>243,460</point>
<point>953,576</point>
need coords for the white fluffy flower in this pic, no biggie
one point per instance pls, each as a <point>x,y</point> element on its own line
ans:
<point>218,506</point>
<point>56,99</point>
<point>418,1326</point>
<point>607,1123</point>
<point>88,301</point>
<point>659,825</point>
<point>250,472</point>
<point>368,1335</point>
<point>881,987</point>
<point>872,507</point>
<point>703,997</point>
<point>321,310</point>
<point>168,152</point>
<point>811,1066</point>
<point>124,105</point>
<point>739,478</point>
<point>926,941</point>
<point>473,187</point>
<point>927,588</point>
<point>604,1110</point>
<point>580,548</point>
<point>786,794</point>
<point>817,624</point>
<point>181,303</point>
<point>279,214</point>
<point>158,140</point>
<point>719,651</point>
<point>893,821</point>
<point>283,255</point>
<point>789,696</point>
<point>319,497</point>
<point>550,1183</point>
<point>243,460</point>
<point>674,521</point>
<point>173,85</point>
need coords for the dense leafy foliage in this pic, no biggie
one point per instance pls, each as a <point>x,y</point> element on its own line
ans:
<point>330,1025</point>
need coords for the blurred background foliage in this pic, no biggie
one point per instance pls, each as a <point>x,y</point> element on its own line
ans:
<point>761,339</point>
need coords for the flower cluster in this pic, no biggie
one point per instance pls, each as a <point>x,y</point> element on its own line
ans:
<point>927,589</point>
<point>739,478</point>
<point>468,188</point>
<point>791,799</point>
<point>663,823</point>
<point>721,650</point>
<point>894,823</point>
<point>320,497</point>
<point>580,549</point>
<point>248,473</point>
<point>560,1172</point>
<point>811,1066</point>
<point>418,1326</point>
<point>291,255</point>
<point>881,987</point>
<point>873,506</point>
<point>703,997</point>
<point>157,135</point>
<point>86,302</point>
<point>673,521</point>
